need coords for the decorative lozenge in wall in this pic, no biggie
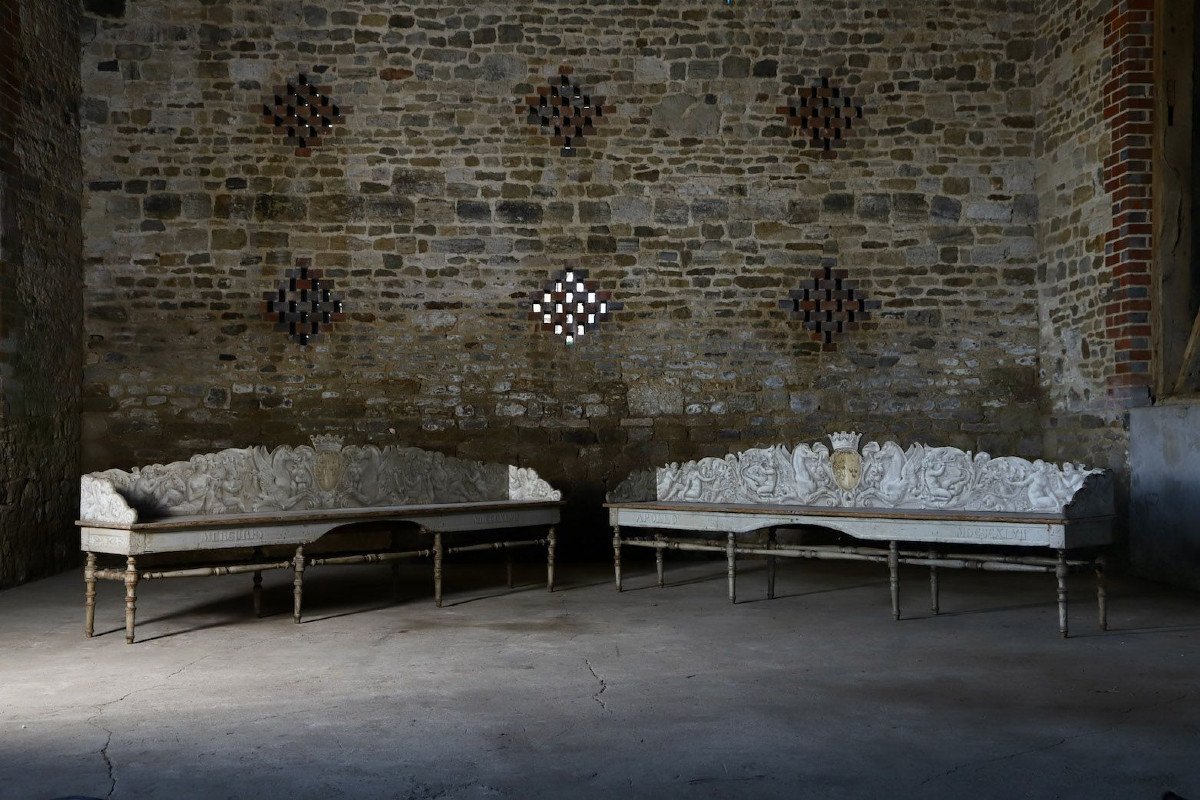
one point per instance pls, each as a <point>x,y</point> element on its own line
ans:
<point>303,305</point>
<point>571,305</point>
<point>828,305</point>
<point>825,116</point>
<point>302,113</point>
<point>565,111</point>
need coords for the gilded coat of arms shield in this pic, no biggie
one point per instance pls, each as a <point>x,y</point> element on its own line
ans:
<point>329,465</point>
<point>845,460</point>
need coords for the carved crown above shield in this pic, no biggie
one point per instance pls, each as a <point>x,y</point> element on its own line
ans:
<point>327,443</point>
<point>845,440</point>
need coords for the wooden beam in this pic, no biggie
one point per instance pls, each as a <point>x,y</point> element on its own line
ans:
<point>1174,286</point>
<point>1188,379</point>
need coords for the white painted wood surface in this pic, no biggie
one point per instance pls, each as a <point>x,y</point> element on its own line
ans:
<point>198,533</point>
<point>1065,534</point>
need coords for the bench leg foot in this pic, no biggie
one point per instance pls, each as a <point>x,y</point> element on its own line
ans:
<point>617,555</point>
<point>1101,594</point>
<point>894,577</point>
<point>89,595</point>
<point>1060,572</point>
<point>437,569</point>
<point>731,566</point>
<point>131,582</point>
<point>551,545</point>
<point>298,584</point>
<point>771,565</point>
<point>658,563</point>
<point>933,585</point>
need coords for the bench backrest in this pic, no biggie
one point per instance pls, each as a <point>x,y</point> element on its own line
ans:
<point>323,476</point>
<point>877,476</point>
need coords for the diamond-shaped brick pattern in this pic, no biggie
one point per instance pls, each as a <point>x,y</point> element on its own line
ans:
<point>304,305</point>
<point>566,112</point>
<point>302,113</point>
<point>828,305</point>
<point>571,305</point>
<point>825,116</point>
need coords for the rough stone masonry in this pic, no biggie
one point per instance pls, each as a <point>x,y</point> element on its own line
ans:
<point>436,210</point>
<point>41,289</point>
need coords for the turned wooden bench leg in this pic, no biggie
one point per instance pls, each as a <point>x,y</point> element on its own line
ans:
<point>395,567</point>
<point>298,584</point>
<point>1101,594</point>
<point>258,593</point>
<point>437,569</point>
<point>933,584</point>
<point>551,545</point>
<point>1060,572</point>
<point>508,567</point>
<point>258,584</point>
<point>731,565</point>
<point>658,561</point>
<point>131,582</point>
<point>770,565</point>
<point>617,555</point>
<point>894,577</point>
<point>89,595</point>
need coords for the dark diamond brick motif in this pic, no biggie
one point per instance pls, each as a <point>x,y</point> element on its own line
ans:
<point>302,113</point>
<point>304,305</point>
<point>828,305</point>
<point>566,112</point>
<point>571,305</point>
<point>824,116</point>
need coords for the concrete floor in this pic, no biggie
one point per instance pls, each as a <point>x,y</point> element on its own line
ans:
<point>587,693</point>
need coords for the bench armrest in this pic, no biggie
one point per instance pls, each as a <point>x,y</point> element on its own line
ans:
<point>524,484</point>
<point>99,501</point>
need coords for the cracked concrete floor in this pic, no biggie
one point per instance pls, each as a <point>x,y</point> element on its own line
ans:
<point>587,693</point>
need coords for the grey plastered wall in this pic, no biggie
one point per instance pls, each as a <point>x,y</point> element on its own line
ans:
<point>1164,512</point>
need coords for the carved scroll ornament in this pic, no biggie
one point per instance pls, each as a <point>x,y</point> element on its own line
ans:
<point>883,476</point>
<point>324,476</point>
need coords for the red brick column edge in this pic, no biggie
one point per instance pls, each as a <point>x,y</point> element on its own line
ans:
<point>1129,112</point>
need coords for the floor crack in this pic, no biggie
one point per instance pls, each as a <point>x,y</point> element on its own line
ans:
<point>600,680</point>
<point>94,721</point>
<point>108,764</point>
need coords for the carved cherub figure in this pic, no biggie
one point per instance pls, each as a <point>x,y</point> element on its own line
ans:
<point>759,473</point>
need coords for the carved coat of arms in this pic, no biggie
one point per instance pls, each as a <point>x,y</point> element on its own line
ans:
<point>329,464</point>
<point>846,461</point>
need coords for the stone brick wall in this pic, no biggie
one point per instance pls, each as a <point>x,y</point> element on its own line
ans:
<point>41,298</point>
<point>436,209</point>
<point>1093,88</point>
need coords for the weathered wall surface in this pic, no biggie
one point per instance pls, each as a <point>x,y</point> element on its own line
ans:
<point>41,300</point>
<point>1082,420</point>
<point>436,210</point>
<point>1093,101</point>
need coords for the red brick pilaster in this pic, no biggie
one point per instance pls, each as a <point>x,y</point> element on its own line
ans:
<point>1128,110</point>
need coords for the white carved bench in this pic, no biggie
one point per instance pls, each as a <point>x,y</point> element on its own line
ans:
<point>291,496</point>
<point>927,496</point>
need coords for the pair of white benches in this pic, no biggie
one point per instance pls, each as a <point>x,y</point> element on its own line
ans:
<point>926,498</point>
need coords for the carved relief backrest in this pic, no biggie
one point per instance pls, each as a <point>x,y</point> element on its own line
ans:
<point>324,476</point>
<point>877,476</point>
